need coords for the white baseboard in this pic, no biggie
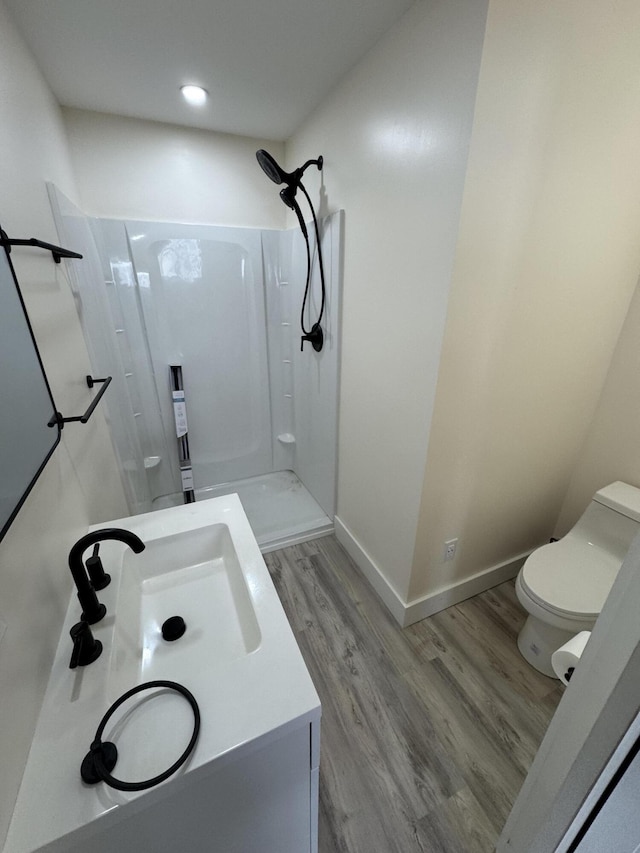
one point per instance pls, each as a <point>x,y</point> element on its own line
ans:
<point>370,570</point>
<point>433,602</point>
<point>406,613</point>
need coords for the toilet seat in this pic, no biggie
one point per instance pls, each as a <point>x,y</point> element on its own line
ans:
<point>571,578</point>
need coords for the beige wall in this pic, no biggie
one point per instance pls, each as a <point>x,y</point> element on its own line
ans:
<point>80,484</point>
<point>611,450</point>
<point>548,256</point>
<point>133,169</point>
<point>395,138</point>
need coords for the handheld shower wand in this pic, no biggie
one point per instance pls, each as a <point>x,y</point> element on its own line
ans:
<point>288,196</point>
<point>293,181</point>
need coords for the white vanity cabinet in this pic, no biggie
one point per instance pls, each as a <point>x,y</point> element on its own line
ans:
<point>251,783</point>
<point>264,802</point>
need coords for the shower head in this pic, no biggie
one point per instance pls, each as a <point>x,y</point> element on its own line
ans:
<point>270,167</point>
<point>277,174</point>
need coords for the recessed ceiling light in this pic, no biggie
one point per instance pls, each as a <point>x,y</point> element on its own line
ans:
<point>194,95</point>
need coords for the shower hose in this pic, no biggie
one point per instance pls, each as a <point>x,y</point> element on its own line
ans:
<point>315,328</point>
<point>102,756</point>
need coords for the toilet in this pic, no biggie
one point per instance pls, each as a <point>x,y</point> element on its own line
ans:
<point>563,585</point>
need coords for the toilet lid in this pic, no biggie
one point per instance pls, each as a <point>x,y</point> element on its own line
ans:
<point>571,577</point>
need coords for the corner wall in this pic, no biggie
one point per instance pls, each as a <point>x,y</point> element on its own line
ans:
<point>80,485</point>
<point>395,137</point>
<point>547,260</point>
<point>611,448</point>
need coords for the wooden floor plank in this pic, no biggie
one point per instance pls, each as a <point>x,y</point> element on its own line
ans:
<point>386,721</point>
<point>459,826</point>
<point>427,732</point>
<point>499,698</point>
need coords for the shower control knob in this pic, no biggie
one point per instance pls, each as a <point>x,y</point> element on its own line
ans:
<point>173,628</point>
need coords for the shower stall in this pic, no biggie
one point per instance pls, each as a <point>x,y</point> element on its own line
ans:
<point>222,304</point>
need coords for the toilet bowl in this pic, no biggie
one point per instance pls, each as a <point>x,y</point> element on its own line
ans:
<point>563,585</point>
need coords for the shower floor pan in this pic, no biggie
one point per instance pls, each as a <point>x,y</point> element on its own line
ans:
<point>280,510</point>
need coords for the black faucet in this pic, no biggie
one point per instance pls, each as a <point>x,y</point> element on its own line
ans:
<point>92,610</point>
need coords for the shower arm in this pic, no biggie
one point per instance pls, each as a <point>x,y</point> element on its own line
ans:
<point>294,179</point>
<point>317,162</point>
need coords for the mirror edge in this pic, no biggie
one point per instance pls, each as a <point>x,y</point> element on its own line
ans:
<point>58,426</point>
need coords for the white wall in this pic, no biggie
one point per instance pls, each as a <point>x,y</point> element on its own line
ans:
<point>395,138</point>
<point>547,260</point>
<point>541,269</point>
<point>133,169</point>
<point>80,484</point>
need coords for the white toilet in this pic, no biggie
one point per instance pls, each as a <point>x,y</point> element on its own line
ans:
<point>564,584</point>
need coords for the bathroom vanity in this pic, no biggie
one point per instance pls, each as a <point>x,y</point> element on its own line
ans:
<point>251,783</point>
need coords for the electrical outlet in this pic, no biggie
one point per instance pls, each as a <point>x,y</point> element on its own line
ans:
<point>450,549</point>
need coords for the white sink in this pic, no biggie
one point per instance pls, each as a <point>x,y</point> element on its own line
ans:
<point>196,575</point>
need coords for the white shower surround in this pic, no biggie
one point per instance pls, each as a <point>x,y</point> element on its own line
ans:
<point>224,303</point>
<point>230,317</point>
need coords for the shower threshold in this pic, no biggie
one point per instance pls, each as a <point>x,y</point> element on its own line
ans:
<point>280,510</point>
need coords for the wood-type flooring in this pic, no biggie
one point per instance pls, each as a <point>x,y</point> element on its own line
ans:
<point>427,732</point>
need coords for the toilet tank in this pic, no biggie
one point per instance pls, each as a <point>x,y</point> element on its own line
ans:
<point>611,520</point>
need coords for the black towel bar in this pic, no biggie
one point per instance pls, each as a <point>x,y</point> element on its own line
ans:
<point>60,421</point>
<point>57,251</point>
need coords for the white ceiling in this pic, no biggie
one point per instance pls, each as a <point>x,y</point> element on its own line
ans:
<point>265,63</point>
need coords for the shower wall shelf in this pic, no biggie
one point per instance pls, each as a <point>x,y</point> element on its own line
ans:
<point>57,251</point>
<point>61,421</point>
<point>287,438</point>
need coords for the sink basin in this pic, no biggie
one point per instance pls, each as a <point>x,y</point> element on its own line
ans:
<point>195,575</point>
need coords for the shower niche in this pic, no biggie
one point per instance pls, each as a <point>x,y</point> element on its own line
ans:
<point>224,304</point>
